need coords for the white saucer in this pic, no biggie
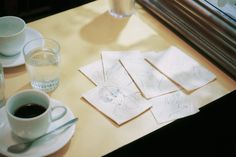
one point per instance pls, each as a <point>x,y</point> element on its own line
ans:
<point>43,147</point>
<point>13,61</point>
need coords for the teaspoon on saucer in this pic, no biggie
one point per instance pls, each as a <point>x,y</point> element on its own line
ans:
<point>22,147</point>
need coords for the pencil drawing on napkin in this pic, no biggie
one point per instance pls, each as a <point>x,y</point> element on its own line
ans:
<point>181,68</point>
<point>172,106</point>
<point>116,103</point>
<point>149,80</point>
<point>130,83</point>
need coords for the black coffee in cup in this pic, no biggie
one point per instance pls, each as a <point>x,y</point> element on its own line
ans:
<point>29,110</point>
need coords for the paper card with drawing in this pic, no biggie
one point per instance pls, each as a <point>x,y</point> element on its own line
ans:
<point>114,71</point>
<point>181,68</point>
<point>172,106</point>
<point>94,72</point>
<point>149,80</point>
<point>116,103</point>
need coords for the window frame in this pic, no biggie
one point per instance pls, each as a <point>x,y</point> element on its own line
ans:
<point>205,29</point>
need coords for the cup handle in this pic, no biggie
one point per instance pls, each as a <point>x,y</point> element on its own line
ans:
<point>59,116</point>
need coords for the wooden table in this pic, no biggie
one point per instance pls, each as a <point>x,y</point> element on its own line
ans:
<point>83,33</point>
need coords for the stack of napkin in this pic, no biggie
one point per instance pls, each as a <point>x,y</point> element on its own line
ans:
<point>131,82</point>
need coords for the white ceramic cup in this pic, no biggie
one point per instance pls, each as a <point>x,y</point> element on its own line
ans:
<point>12,35</point>
<point>30,128</point>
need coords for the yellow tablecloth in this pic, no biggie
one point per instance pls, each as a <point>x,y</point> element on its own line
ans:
<point>85,31</point>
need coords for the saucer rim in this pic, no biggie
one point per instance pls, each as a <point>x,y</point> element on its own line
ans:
<point>70,131</point>
<point>21,57</point>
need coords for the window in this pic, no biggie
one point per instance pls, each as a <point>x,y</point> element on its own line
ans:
<point>208,25</point>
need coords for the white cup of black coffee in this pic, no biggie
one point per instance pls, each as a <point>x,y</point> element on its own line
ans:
<point>30,113</point>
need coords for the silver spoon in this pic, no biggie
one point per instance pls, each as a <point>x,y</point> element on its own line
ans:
<point>22,147</point>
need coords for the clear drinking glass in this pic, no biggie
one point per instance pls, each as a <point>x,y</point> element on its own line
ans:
<point>2,86</point>
<point>121,8</point>
<point>42,59</point>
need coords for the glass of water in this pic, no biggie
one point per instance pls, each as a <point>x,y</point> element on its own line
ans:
<point>2,86</point>
<point>121,8</point>
<point>42,59</point>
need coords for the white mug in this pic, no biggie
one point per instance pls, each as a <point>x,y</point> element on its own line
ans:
<point>25,119</point>
<point>12,35</point>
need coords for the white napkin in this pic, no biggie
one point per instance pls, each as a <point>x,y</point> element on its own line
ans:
<point>181,68</point>
<point>149,80</point>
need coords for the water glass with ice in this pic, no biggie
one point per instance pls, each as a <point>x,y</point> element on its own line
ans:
<point>42,59</point>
